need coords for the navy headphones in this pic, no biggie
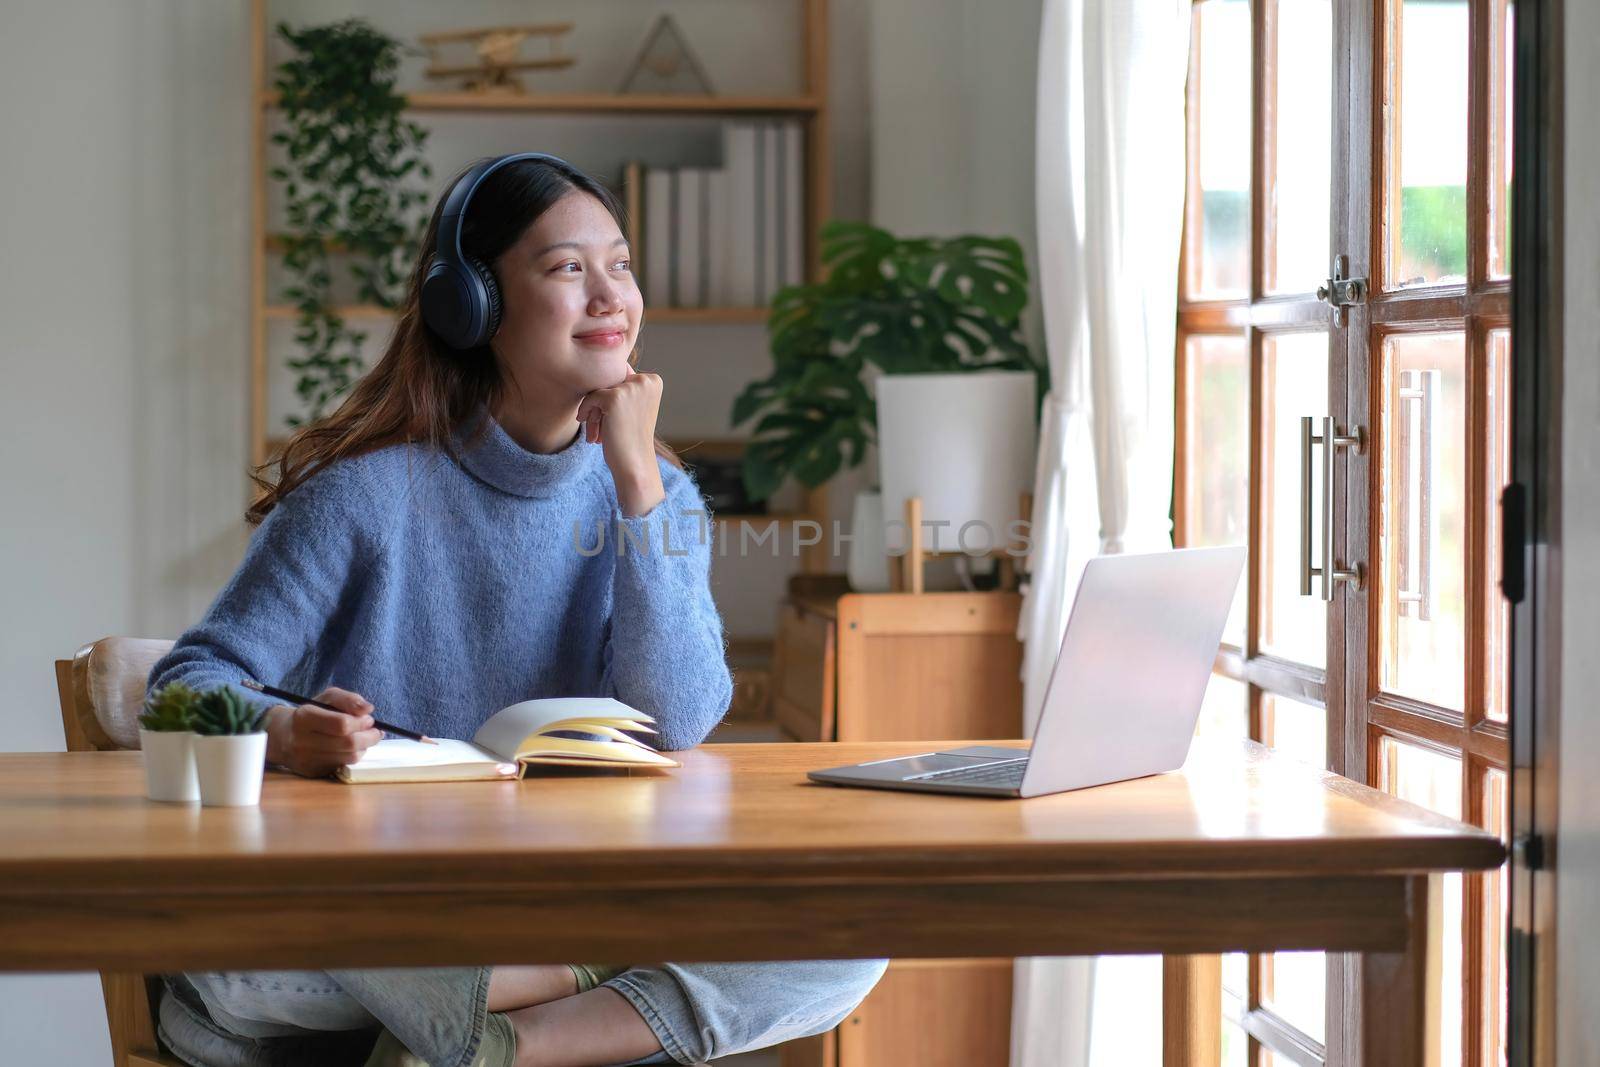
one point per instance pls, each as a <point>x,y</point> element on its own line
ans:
<point>460,298</point>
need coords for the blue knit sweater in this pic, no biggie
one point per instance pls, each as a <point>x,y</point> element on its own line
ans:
<point>443,591</point>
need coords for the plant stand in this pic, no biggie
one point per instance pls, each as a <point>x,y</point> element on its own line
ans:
<point>906,574</point>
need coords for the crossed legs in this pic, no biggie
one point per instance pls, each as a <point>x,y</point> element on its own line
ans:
<point>558,1026</point>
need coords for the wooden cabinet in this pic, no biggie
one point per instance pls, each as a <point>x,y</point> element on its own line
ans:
<point>896,666</point>
<point>933,1013</point>
<point>904,666</point>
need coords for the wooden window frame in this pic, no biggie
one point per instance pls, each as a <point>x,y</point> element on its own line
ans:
<point>1362,187</point>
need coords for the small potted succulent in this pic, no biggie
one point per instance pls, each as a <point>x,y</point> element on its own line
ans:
<point>231,749</point>
<point>166,737</point>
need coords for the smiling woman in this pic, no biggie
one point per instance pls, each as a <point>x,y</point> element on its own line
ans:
<point>544,241</point>
<point>415,559</point>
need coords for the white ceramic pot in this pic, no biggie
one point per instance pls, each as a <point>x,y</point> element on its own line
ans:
<point>965,443</point>
<point>169,772</point>
<point>230,768</point>
<point>868,564</point>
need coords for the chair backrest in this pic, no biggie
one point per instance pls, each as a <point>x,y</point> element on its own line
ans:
<point>102,691</point>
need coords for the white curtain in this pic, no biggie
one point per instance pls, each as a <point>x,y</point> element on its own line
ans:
<point>1109,190</point>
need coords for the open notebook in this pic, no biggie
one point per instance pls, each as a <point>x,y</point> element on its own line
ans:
<point>534,731</point>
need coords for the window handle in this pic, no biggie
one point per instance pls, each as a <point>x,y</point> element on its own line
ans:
<point>1417,520</point>
<point>1328,573</point>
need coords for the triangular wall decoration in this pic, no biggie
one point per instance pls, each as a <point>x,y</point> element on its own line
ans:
<point>666,64</point>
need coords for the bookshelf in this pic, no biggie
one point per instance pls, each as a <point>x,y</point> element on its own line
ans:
<point>810,106</point>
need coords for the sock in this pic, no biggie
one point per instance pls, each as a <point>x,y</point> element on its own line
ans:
<point>590,975</point>
<point>499,1045</point>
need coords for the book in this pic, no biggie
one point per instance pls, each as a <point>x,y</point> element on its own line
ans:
<point>739,156</point>
<point>771,210</point>
<point>718,239</point>
<point>529,732</point>
<point>633,208</point>
<point>794,271</point>
<point>686,251</point>
<point>658,215</point>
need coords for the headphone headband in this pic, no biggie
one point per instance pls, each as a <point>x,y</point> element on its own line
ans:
<point>460,297</point>
<point>460,195</point>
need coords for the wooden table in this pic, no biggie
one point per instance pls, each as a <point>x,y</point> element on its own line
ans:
<point>733,856</point>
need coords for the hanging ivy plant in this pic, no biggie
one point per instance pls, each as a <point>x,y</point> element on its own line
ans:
<point>353,179</point>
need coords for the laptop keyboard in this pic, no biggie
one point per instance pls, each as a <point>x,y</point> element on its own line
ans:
<point>1008,773</point>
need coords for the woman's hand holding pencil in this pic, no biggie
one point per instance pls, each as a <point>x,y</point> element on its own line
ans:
<point>322,733</point>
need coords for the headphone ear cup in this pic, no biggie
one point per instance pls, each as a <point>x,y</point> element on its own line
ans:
<point>491,292</point>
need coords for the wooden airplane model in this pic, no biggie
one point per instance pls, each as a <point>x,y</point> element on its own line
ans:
<point>498,49</point>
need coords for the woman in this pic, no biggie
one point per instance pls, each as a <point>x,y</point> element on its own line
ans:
<point>429,551</point>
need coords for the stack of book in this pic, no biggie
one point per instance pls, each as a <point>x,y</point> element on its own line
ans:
<point>728,236</point>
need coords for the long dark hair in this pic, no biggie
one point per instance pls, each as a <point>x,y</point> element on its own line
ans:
<point>421,389</point>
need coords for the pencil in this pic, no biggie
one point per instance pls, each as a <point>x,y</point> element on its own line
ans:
<point>284,694</point>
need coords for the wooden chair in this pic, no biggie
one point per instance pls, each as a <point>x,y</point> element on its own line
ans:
<point>102,691</point>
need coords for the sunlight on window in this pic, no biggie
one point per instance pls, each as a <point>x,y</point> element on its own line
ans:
<point>1430,142</point>
<point>1303,157</point>
<point>1223,97</point>
<point>1423,545</point>
<point>1294,383</point>
<point>1218,493</point>
<point>1294,984</point>
<point>1225,712</point>
<point>1126,1018</point>
<point>1433,780</point>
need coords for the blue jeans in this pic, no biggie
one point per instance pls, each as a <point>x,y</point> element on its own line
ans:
<point>698,1011</point>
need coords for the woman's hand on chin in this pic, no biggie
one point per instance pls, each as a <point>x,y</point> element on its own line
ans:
<point>622,420</point>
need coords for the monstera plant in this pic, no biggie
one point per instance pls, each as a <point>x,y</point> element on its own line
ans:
<point>904,306</point>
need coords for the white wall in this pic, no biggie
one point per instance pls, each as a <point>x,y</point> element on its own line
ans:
<point>122,333</point>
<point>953,103</point>
<point>1578,837</point>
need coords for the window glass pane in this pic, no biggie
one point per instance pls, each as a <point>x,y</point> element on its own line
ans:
<point>1302,146</point>
<point>1295,729</point>
<point>1219,214</point>
<point>1497,613</point>
<point>1426,231</point>
<point>1225,711</point>
<point>1500,93</point>
<point>1423,548</point>
<point>1235,974</point>
<point>1293,987</point>
<point>1294,383</point>
<point>1294,984</point>
<point>1125,1017</point>
<point>1217,500</point>
<point>1494,928</point>
<point>1235,1045</point>
<point>1433,780</point>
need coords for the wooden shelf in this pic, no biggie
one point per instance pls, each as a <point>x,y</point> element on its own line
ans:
<point>686,315</point>
<point>617,103</point>
<point>809,106</point>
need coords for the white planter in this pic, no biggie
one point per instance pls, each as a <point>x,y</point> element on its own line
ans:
<point>230,768</point>
<point>868,564</point>
<point>169,772</point>
<point>965,444</point>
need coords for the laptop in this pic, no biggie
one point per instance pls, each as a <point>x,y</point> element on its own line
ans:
<point>1123,696</point>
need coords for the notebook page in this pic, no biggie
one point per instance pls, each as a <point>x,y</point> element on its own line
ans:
<point>400,753</point>
<point>506,728</point>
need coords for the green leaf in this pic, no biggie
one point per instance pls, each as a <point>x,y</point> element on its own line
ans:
<point>352,164</point>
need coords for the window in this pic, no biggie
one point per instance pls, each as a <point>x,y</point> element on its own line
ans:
<point>1382,137</point>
